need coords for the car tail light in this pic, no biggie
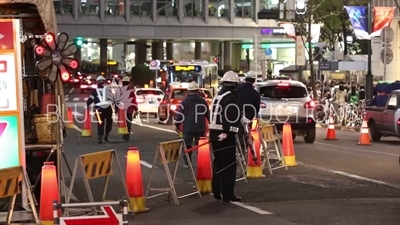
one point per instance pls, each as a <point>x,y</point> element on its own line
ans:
<point>262,105</point>
<point>84,86</point>
<point>76,80</point>
<point>109,81</point>
<point>309,105</point>
<point>173,107</point>
<point>80,77</point>
<point>310,120</point>
<point>398,122</point>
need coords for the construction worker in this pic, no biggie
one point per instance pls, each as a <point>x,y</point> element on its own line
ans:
<point>131,109</point>
<point>103,109</point>
<point>249,101</point>
<point>225,120</point>
<point>191,117</point>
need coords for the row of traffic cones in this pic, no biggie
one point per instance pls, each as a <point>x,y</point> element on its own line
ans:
<point>364,139</point>
<point>87,124</point>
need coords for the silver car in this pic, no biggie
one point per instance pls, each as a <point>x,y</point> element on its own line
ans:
<point>287,101</point>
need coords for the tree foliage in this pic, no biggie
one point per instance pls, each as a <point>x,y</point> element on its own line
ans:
<point>141,75</point>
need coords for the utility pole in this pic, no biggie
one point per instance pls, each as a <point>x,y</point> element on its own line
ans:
<point>309,49</point>
<point>369,78</point>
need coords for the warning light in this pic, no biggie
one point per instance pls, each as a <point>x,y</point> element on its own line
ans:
<point>39,50</point>
<point>65,76</point>
<point>49,38</point>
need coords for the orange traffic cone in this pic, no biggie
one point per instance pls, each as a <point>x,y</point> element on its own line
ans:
<point>48,193</point>
<point>70,118</point>
<point>287,145</point>
<point>364,134</point>
<point>134,181</point>
<point>255,170</point>
<point>87,124</point>
<point>331,132</point>
<point>122,127</point>
<point>204,171</point>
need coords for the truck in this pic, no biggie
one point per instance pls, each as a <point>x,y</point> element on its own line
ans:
<point>384,121</point>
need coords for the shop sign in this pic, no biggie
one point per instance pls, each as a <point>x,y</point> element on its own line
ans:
<point>8,83</point>
<point>273,31</point>
<point>9,151</point>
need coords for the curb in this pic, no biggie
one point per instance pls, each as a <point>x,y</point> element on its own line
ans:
<point>338,127</point>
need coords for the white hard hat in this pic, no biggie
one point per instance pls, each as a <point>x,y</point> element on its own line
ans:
<point>193,86</point>
<point>230,76</point>
<point>100,78</point>
<point>251,74</point>
<point>126,79</point>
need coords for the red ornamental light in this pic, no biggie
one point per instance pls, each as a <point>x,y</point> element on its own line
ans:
<point>39,50</point>
<point>74,64</point>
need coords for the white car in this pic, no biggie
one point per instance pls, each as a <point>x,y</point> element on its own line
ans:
<point>148,100</point>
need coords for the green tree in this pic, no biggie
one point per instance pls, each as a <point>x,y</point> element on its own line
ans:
<point>141,75</point>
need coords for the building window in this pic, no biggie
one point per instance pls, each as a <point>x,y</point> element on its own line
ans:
<point>141,7</point>
<point>218,8</point>
<point>115,7</point>
<point>268,4</point>
<point>244,8</point>
<point>63,6</point>
<point>89,7</point>
<point>193,8</point>
<point>167,7</point>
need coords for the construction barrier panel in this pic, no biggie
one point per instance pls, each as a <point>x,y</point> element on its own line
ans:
<point>10,180</point>
<point>273,158</point>
<point>170,153</point>
<point>96,165</point>
<point>109,217</point>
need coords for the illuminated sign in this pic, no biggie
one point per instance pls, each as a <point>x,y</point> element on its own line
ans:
<point>9,152</point>
<point>8,85</point>
<point>273,31</point>
<point>187,68</point>
<point>111,63</point>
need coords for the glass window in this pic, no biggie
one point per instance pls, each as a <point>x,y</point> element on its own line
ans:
<point>167,7</point>
<point>283,92</point>
<point>243,8</point>
<point>141,7</point>
<point>89,7</point>
<point>63,6</point>
<point>193,8</point>
<point>149,92</point>
<point>115,7</point>
<point>179,93</point>
<point>268,4</point>
<point>393,100</point>
<point>218,8</point>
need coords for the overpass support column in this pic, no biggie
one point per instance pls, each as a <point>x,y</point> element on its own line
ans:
<point>103,55</point>
<point>140,52</point>
<point>227,56</point>
<point>197,50</point>
<point>157,50</point>
<point>169,50</point>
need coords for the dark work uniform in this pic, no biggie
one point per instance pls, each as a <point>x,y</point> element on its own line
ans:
<point>224,163</point>
<point>249,103</point>
<point>105,113</point>
<point>193,113</point>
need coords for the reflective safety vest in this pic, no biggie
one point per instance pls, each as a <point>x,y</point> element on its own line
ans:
<point>215,123</point>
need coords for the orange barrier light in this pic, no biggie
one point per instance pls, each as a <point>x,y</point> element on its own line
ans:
<point>255,170</point>
<point>70,118</point>
<point>287,145</point>
<point>48,193</point>
<point>204,171</point>
<point>134,181</point>
<point>87,124</point>
<point>122,127</point>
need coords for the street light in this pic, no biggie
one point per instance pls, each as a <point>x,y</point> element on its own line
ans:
<point>300,7</point>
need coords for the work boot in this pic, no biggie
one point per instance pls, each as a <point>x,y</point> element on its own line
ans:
<point>106,138</point>
<point>233,199</point>
<point>100,139</point>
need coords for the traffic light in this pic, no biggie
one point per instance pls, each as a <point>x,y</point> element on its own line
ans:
<point>78,42</point>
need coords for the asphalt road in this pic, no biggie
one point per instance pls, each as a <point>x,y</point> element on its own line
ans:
<point>336,182</point>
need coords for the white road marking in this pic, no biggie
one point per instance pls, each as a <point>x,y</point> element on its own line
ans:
<point>349,175</point>
<point>252,208</point>
<point>70,91</point>
<point>76,114</point>
<point>65,189</point>
<point>66,96</point>
<point>359,150</point>
<point>77,128</point>
<point>85,99</point>
<point>66,99</point>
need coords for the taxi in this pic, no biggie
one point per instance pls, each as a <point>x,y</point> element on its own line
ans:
<point>172,99</point>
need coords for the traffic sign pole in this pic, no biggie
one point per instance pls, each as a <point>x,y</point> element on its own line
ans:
<point>386,53</point>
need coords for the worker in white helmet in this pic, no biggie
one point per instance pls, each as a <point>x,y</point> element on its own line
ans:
<point>224,124</point>
<point>130,109</point>
<point>102,108</point>
<point>191,117</point>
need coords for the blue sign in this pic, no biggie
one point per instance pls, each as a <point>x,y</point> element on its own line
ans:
<point>268,51</point>
<point>273,31</point>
